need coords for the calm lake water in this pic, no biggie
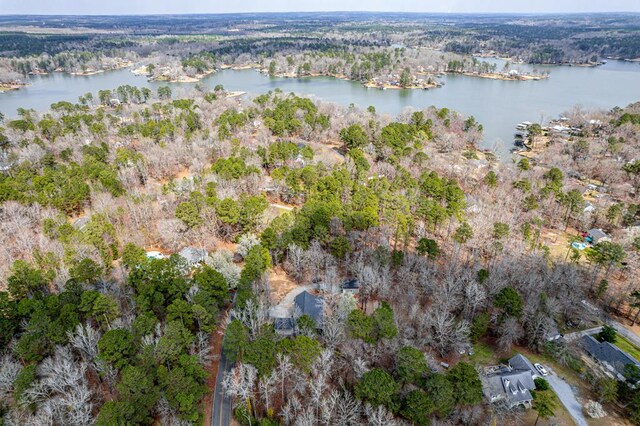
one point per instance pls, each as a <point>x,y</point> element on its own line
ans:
<point>498,105</point>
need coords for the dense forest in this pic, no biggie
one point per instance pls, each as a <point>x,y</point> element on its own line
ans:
<point>105,319</point>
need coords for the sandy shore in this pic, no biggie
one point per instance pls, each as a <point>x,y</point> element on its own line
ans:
<point>6,87</point>
<point>494,55</point>
<point>239,67</point>
<point>235,94</point>
<point>86,73</point>
<point>388,86</point>
<point>140,71</point>
<point>585,65</point>
<point>184,78</point>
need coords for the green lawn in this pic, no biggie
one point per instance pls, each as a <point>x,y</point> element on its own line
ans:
<point>483,354</point>
<point>627,346</point>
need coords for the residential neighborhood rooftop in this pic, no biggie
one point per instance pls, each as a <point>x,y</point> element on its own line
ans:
<point>608,354</point>
<point>512,383</point>
<point>311,305</point>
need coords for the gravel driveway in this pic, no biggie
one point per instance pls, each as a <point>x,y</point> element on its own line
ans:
<point>568,398</point>
<point>285,307</point>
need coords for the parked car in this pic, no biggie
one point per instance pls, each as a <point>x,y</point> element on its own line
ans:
<point>543,371</point>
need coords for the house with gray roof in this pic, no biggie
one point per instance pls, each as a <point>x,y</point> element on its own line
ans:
<point>609,356</point>
<point>511,384</point>
<point>284,326</point>
<point>596,236</point>
<point>521,363</point>
<point>308,304</point>
<point>304,303</point>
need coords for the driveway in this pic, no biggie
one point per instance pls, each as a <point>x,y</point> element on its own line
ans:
<point>578,334</point>
<point>284,309</point>
<point>568,398</point>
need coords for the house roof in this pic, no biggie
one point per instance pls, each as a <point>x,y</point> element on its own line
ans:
<point>512,385</point>
<point>606,352</point>
<point>597,234</point>
<point>310,305</point>
<point>283,324</point>
<point>521,363</point>
<point>351,284</point>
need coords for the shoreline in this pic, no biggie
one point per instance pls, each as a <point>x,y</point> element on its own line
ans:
<point>388,85</point>
<point>372,84</point>
<point>142,71</point>
<point>8,87</point>
<point>504,77</point>
<point>119,66</point>
<point>236,94</point>
<point>86,73</point>
<point>495,55</point>
<point>5,87</point>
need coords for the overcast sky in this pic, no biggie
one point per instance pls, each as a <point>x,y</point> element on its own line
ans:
<point>102,7</point>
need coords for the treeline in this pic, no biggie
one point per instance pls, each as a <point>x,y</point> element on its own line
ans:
<point>542,43</point>
<point>105,352</point>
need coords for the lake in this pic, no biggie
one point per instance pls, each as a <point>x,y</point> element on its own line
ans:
<point>498,105</point>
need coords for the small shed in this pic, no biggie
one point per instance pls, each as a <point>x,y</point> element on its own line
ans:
<point>351,286</point>
<point>284,326</point>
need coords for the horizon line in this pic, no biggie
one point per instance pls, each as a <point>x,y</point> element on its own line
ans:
<point>621,12</point>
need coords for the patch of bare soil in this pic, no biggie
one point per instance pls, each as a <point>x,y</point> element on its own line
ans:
<point>557,241</point>
<point>232,247</point>
<point>280,285</point>
<point>185,173</point>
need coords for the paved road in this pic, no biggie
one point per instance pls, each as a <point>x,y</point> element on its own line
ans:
<point>568,398</point>
<point>628,334</point>
<point>221,413</point>
<point>620,329</point>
